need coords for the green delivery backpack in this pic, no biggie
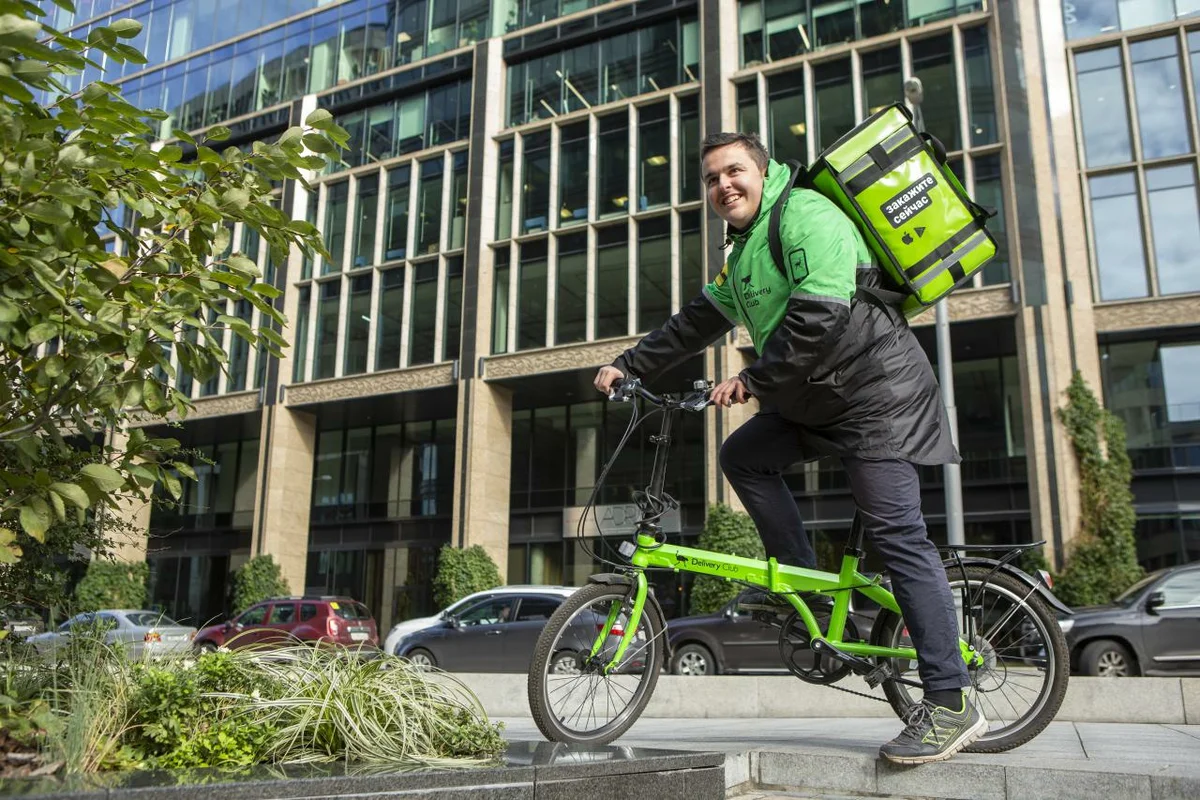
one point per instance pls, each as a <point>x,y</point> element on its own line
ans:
<point>892,180</point>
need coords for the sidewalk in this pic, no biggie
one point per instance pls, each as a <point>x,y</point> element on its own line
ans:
<point>818,757</point>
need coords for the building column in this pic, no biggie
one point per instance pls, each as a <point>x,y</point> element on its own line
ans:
<point>482,478</point>
<point>1055,335</point>
<point>284,497</point>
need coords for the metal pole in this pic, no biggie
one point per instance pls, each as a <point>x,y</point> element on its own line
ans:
<point>914,93</point>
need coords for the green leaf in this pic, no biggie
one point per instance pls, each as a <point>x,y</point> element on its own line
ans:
<point>45,211</point>
<point>53,366</point>
<point>184,136</point>
<point>133,394</point>
<point>43,332</point>
<point>104,477</point>
<point>236,197</point>
<point>239,263</point>
<point>60,509</point>
<point>320,119</point>
<point>217,133</point>
<point>36,521</point>
<point>173,485</point>
<point>184,469</point>
<point>171,153</point>
<point>73,493</point>
<point>9,311</point>
<point>126,28</point>
<point>317,143</point>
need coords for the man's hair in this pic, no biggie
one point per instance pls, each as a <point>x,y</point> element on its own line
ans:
<point>750,141</point>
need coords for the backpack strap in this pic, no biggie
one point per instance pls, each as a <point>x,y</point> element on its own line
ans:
<point>799,174</point>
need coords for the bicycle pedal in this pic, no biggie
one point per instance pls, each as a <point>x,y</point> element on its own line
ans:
<point>878,675</point>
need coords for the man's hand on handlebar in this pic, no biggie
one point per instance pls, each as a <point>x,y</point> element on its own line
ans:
<point>729,392</point>
<point>607,378</point>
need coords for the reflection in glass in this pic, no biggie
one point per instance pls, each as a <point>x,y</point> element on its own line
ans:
<point>358,325</point>
<point>883,84</point>
<point>535,194</point>
<point>300,346</point>
<point>1120,255</point>
<point>531,296</point>
<point>689,149</point>
<point>325,354</point>
<point>612,281</point>
<point>1181,382</point>
<point>364,225</point>
<point>989,193</point>
<point>429,207</point>
<point>239,351</point>
<point>391,319</point>
<point>654,156</point>
<point>835,102</point>
<point>580,78</point>
<point>691,257</point>
<point>452,316</point>
<point>1104,116</point>
<point>747,107</point>
<point>654,272</point>
<point>833,22</point>
<point>458,197</point>
<point>750,30</point>
<point>933,63</point>
<point>397,213</point>
<point>618,57</point>
<point>981,94</point>
<point>659,59</point>
<point>570,302</point>
<point>1084,18</point>
<point>423,313</point>
<point>613,195</point>
<point>504,191</point>
<point>1158,93</point>
<point>1175,226</point>
<point>337,203</point>
<point>573,174</point>
<point>785,110</point>
<point>500,301</point>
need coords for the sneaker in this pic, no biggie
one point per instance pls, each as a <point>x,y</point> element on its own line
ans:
<point>934,733</point>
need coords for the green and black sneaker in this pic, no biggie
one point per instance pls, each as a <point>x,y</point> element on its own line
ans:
<point>934,733</point>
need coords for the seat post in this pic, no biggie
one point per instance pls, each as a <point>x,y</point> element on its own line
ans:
<point>854,543</point>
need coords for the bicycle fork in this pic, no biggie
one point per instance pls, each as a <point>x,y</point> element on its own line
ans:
<point>638,593</point>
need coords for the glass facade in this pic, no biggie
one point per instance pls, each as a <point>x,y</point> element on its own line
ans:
<point>441,115</point>
<point>1086,18</point>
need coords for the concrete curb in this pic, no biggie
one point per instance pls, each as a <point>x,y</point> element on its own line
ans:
<point>858,773</point>
<point>1151,700</point>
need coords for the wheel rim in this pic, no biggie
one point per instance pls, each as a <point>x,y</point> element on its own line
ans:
<point>1112,664</point>
<point>1012,686</point>
<point>589,703</point>
<point>565,664</point>
<point>692,663</point>
<point>421,660</point>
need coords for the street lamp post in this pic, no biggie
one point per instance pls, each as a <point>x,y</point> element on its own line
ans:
<point>914,93</point>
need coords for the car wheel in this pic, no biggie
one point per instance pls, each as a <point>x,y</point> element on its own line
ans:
<point>1108,659</point>
<point>206,647</point>
<point>692,660</point>
<point>421,658</point>
<point>565,663</point>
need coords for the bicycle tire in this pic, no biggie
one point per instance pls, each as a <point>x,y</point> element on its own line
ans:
<point>889,628</point>
<point>548,645</point>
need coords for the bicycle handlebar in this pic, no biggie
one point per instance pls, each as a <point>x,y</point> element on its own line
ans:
<point>627,388</point>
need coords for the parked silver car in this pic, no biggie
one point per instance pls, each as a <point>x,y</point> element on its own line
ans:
<point>142,634</point>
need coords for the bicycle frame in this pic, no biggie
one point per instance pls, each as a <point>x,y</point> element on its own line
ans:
<point>649,552</point>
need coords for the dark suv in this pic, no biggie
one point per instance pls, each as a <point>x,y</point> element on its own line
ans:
<point>1151,629</point>
<point>286,620</point>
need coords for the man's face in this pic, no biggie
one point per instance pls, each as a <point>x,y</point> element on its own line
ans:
<point>734,183</point>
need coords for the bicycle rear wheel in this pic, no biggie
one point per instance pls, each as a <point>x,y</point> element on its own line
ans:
<point>572,697</point>
<point>1023,678</point>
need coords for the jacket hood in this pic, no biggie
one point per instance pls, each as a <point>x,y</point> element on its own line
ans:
<point>773,186</point>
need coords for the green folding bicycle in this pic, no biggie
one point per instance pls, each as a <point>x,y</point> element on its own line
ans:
<point>598,659</point>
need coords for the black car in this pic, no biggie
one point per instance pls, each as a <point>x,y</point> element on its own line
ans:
<point>731,640</point>
<point>1151,629</point>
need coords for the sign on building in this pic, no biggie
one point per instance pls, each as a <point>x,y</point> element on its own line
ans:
<point>614,520</point>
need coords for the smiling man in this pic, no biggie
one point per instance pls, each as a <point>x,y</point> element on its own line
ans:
<point>835,376</point>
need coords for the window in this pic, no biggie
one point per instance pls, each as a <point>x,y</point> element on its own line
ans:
<point>981,95</point>
<point>300,347</point>
<point>325,356</point>
<point>654,156</point>
<point>689,149</point>
<point>239,351</point>
<point>833,21</point>
<point>691,257</point>
<point>573,174</point>
<point>429,205</point>
<point>613,165</point>
<point>785,114</point>
<point>531,296</point>
<point>535,195</point>
<point>618,57</point>
<point>336,207</point>
<point>659,58</point>
<point>1120,255</point>
<point>452,316</point>
<point>307,611</point>
<point>391,319</point>
<point>458,213</point>
<point>397,214</point>
<point>504,192</point>
<point>424,314</point>
<point>310,217</point>
<point>500,301</point>
<point>835,102</point>
<point>1084,18</point>
<point>933,63</point>
<point>364,226</point>
<point>358,325</point>
<point>570,305</point>
<point>1175,226</point>
<point>282,614</point>
<point>254,616</point>
<point>612,281</point>
<point>538,608</point>
<point>489,612</point>
<point>654,272</point>
<point>1182,590</point>
<point>580,77</point>
<point>1158,90</point>
<point>1104,116</point>
<point>750,28</point>
<point>989,193</point>
<point>747,107</point>
<point>1181,385</point>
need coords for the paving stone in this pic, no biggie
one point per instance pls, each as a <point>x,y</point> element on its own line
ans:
<point>817,771</point>
<point>953,778</point>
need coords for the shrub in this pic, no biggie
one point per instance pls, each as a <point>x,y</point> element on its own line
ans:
<point>112,584</point>
<point>462,572</point>
<point>258,579</point>
<point>725,531</point>
<point>1102,561</point>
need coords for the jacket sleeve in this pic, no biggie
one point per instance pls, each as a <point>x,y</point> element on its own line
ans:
<point>696,326</point>
<point>820,252</point>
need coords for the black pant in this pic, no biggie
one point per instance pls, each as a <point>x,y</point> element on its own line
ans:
<point>888,497</point>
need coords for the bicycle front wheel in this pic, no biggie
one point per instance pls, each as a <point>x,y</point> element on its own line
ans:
<point>574,697</point>
<point>1023,678</point>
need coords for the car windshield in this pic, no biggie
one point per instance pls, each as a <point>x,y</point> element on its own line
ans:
<point>148,619</point>
<point>1130,595</point>
<point>347,610</point>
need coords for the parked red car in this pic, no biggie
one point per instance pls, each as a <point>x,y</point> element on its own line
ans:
<point>286,620</point>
